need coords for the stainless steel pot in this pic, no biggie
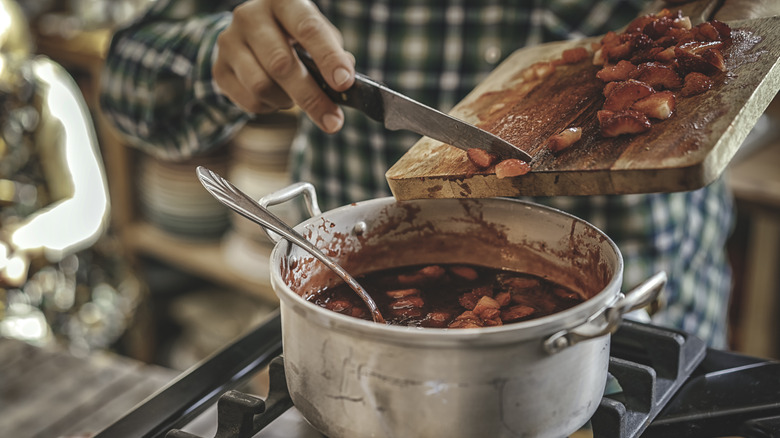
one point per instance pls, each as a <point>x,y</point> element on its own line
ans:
<point>541,378</point>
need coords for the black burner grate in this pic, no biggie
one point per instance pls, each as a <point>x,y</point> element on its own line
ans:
<point>650,364</point>
<point>671,385</point>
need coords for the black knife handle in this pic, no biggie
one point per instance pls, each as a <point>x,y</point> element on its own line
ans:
<point>364,95</point>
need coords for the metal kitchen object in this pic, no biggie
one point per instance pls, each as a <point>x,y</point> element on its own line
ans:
<point>351,377</point>
<point>228,194</point>
<point>397,111</point>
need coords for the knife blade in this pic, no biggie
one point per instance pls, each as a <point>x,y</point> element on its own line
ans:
<point>397,111</point>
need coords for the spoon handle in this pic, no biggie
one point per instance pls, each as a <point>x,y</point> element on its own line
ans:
<point>228,194</point>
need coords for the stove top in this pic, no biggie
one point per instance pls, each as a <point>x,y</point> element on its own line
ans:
<point>670,385</point>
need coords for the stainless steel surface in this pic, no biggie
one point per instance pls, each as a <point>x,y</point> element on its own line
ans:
<point>287,194</point>
<point>402,112</point>
<point>350,377</point>
<point>609,320</point>
<point>397,111</point>
<point>241,203</point>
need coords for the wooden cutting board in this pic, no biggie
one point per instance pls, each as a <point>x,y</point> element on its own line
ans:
<point>685,152</point>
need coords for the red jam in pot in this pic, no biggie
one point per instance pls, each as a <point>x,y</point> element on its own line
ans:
<point>451,296</point>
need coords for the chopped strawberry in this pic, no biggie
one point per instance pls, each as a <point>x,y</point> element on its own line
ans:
<point>438,319</point>
<point>407,303</point>
<point>696,83</point>
<point>625,94</point>
<point>667,55</point>
<point>682,23</point>
<point>657,28</point>
<point>564,139</point>
<point>645,55</point>
<point>609,88</point>
<point>723,30</point>
<point>512,167</point>
<point>487,308</point>
<point>464,272</point>
<point>656,106</point>
<point>708,31</point>
<point>575,55</point>
<point>639,23</point>
<point>503,298</point>
<point>618,72</point>
<point>467,319</point>
<point>658,76</point>
<point>715,58</point>
<point>517,312</point>
<point>614,124</point>
<point>402,293</point>
<point>691,57</point>
<point>599,57</point>
<point>481,158</point>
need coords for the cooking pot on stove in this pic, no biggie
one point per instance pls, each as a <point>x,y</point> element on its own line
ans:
<point>543,377</point>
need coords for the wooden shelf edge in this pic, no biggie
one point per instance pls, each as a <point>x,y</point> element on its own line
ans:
<point>203,259</point>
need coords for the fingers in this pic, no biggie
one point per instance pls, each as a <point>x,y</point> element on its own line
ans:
<point>241,80</point>
<point>256,66</point>
<point>307,26</point>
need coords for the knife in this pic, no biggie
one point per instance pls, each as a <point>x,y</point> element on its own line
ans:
<point>397,111</point>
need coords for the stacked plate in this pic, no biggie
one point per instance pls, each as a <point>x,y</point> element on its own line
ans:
<point>259,166</point>
<point>172,198</point>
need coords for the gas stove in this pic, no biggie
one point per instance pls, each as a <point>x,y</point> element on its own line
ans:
<point>670,384</point>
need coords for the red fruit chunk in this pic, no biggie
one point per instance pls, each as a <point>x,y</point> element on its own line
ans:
<point>667,55</point>
<point>657,106</point>
<point>575,55</point>
<point>618,123</point>
<point>467,319</point>
<point>723,30</point>
<point>464,272</point>
<point>487,308</point>
<point>402,293</point>
<point>516,312</point>
<point>609,88</point>
<point>468,300</point>
<point>658,76</point>
<point>438,319</point>
<point>696,83</point>
<point>481,158</point>
<point>512,167</point>
<point>618,72</point>
<point>564,139</point>
<point>625,94</point>
<point>503,298</point>
<point>691,57</point>
<point>407,303</point>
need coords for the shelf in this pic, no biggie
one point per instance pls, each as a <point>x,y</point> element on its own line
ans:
<point>207,259</point>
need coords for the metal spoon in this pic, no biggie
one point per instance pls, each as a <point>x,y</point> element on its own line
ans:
<point>241,203</point>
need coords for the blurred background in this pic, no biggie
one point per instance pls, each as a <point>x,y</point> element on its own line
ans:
<point>200,272</point>
<point>174,275</point>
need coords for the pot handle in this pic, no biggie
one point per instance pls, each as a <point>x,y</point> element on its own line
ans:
<point>608,321</point>
<point>287,194</point>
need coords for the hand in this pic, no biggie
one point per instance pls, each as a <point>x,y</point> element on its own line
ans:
<point>745,9</point>
<point>258,70</point>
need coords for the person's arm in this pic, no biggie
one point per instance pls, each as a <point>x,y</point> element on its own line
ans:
<point>157,86</point>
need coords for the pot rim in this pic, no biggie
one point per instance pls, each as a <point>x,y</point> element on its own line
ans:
<point>425,336</point>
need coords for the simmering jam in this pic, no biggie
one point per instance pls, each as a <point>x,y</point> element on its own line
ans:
<point>451,296</point>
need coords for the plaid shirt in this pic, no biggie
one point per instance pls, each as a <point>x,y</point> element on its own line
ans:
<point>158,90</point>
